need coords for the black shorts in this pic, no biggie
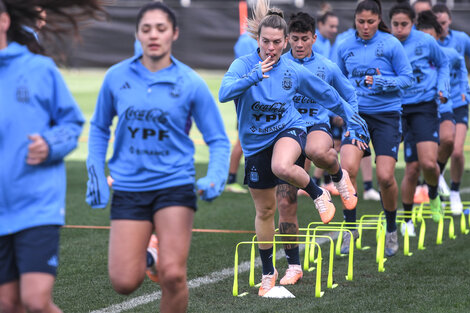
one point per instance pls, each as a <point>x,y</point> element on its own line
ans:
<point>141,206</point>
<point>30,250</point>
<point>385,132</point>
<point>461,115</point>
<point>258,172</point>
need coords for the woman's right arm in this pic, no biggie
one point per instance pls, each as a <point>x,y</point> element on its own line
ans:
<point>97,195</point>
<point>238,79</point>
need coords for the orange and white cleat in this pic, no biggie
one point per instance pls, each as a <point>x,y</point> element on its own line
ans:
<point>267,283</point>
<point>347,192</point>
<point>325,206</point>
<point>421,194</point>
<point>153,250</point>
<point>293,274</point>
<point>331,189</point>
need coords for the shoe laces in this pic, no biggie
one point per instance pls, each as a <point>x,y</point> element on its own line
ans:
<point>343,188</point>
<point>293,271</point>
<point>320,203</point>
<point>267,281</point>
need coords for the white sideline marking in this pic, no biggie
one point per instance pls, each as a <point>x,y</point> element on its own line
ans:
<point>212,278</point>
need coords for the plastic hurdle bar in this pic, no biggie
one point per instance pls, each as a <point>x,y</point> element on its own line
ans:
<point>306,266</point>
<point>318,292</point>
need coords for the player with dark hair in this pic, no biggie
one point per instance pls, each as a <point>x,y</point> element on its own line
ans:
<point>40,123</point>
<point>377,66</point>
<point>460,41</point>
<point>319,146</point>
<point>156,98</point>
<point>327,30</point>
<point>420,110</point>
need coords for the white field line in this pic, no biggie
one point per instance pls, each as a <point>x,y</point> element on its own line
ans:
<point>212,278</point>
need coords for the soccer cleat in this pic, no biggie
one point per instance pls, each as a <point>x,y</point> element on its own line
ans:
<point>347,239</point>
<point>442,187</point>
<point>325,206</point>
<point>455,203</point>
<point>436,209</point>
<point>421,194</point>
<point>293,274</point>
<point>346,191</point>
<point>371,194</point>
<point>411,228</point>
<point>153,250</point>
<point>267,283</point>
<point>235,188</point>
<point>391,243</point>
<point>331,189</point>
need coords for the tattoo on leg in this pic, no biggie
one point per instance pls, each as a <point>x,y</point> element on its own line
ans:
<point>288,192</point>
<point>289,228</point>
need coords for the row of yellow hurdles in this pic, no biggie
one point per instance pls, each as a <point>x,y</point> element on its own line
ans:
<point>317,230</point>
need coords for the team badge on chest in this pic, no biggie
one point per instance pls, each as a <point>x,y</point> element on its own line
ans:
<point>287,81</point>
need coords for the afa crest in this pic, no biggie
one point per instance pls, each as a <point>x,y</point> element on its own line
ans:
<point>321,73</point>
<point>287,81</point>
<point>379,51</point>
<point>22,94</point>
<point>419,50</point>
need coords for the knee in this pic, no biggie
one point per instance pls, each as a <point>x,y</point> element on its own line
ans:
<point>457,154</point>
<point>429,165</point>
<point>281,170</point>
<point>412,172</point>
<point>265,214</point>
<point>446,142</point>
<point>386,180</point>
<point>10,306</point>
<point>36,304</point>
<point>125,285</point>
<point>172,277</point>
<point>317,155</point>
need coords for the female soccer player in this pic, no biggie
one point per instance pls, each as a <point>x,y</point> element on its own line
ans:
<point>40,124</point>
<point>420,111</point>
<point>460,41</point>
<point>327,30</point>
<point>377,66</point>
<point>319,147</point>
<point>427,22</point>
<point>155,98</point>
<point>271,130</point>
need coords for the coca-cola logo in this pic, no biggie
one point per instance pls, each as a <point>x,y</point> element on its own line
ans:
<point>276,107</point>
<point>155,115</point>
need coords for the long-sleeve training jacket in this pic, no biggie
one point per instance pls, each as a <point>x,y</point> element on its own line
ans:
<point>383,57</point>
<point>33,100</point>
<point>430,69</point>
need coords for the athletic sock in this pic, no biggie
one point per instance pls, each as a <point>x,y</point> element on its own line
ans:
<point>408,208</point>
<point>313,190</point>
<point>337,176</point>
<point>432,191</point>
<point>391,220</point>
<point>454,186</point>
<point>327,178</point>
<point>349,217</point>
<point>232,178</point>
<point>317,180</point>
<point>150,260</point>
<point>367,185</point>
<point>293,255</point>
<point>267,260</point>
<point>442,167</point>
